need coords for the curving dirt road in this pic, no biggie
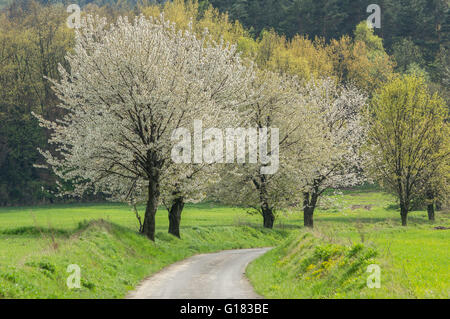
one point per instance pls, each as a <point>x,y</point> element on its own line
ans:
<point>208,276</point>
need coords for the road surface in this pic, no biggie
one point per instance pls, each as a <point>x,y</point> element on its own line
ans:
<point>207,276</point>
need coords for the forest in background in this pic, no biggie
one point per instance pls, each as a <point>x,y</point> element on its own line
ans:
<point>307,38</point>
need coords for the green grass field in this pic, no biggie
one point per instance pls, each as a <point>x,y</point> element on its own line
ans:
<point>38,243</point>
<point>360,227</point>
<point>414,260</point>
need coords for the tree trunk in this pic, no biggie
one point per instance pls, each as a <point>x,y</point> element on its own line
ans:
<point>430,205</point>
<point>309,205</point>
<point>148,228</point>
<point>267,212</point>
<point>268,216</point>
<point>430,209</point>
<point>175,216</point>
<point>404,213</point>
<point>308,217</point>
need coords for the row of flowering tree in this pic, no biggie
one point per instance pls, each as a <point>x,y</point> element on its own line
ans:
<point>129,86</point>
<point>134,91</point>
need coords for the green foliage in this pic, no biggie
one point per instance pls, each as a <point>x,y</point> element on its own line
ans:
<point>365,34</point>
<point>424,21</point>
<point>416,70</point>
<point>33,40</point>
<point>362,61</point>
<point>408,138</point>
<point>405,53</point>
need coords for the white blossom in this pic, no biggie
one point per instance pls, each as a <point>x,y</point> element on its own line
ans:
<point>129,86</point>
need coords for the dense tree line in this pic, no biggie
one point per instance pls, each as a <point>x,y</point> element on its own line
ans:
<point>416,33</point>
<point>33,41</point>
<point>425,22</point>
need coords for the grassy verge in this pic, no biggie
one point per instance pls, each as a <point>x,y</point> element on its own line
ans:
<point>112,258</point>
<point>306,267</point>
<point>332,260</point>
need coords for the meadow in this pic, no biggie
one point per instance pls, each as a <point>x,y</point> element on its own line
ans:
<point>351,231</point>
<point>363,228</point>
